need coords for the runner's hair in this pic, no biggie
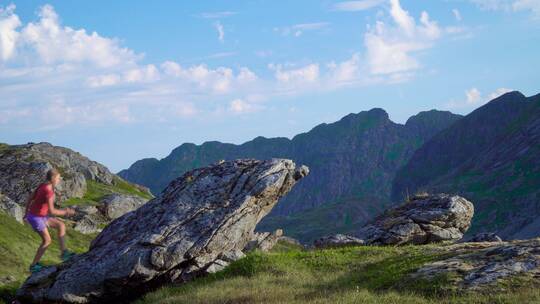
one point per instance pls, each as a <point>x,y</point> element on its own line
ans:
<point>52,173</point>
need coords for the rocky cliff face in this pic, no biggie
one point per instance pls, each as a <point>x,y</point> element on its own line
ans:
<point>492,156</point>
<point>354,161</point>
<point>201,221</point>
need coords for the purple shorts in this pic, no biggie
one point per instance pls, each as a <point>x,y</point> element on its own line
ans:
<point>38,223</point>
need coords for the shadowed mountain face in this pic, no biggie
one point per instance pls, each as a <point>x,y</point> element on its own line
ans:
<point>353,162</point>
<point>492,157</point>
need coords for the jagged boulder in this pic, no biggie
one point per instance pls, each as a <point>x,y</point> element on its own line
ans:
<point>481,265</point>
<point>263,241</point>
<point>424,219</point>
<point>115,205</point>
<point>199,223</point>
<point>337,240</point>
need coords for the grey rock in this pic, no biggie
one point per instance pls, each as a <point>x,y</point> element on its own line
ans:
<point>264,241</point>
<point>115,205</point>
<point>482,264</point>
<point>290,240</point>
<point>23,168</point>
<point>85,210</point>
<point>199,219</point>
<point>337,240</point>
<point>485,237</point>
<point>11,208</point>
<point>423,220</point>
<point>88,224</point>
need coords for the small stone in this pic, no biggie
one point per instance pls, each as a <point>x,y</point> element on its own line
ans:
<point>337,240</point>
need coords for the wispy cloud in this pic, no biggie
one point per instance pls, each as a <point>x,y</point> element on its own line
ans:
<point>532,6</point>
<point>353,6</point>
<point>221,32</point>
<point>298,29</point>
<point>457,14</point>
<point>217,15</point>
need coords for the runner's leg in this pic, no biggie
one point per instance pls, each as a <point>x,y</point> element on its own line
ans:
<point>61,229</point>
<point>45,242</point>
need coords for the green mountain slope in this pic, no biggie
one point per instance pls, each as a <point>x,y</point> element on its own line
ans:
<point>352,162</point>
<point>492,157</point>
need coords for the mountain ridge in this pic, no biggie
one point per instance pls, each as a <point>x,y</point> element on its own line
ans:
<point>353,162</point>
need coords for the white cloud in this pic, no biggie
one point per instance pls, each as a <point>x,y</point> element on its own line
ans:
<point>497,93</point>
<point>9,22</point>
<point>390,49</point>
<point>302,75</point>
<point>55,43</point>
<point>239,106</point>
<point>474,98</point>
<point>298,29</point>
<point>220,80</point>
<point>457,14</point>
<point>346,71</point>
<point>221,31</point>
<point>353,6</point>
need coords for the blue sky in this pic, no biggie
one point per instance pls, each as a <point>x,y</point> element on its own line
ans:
<point>122,80</point>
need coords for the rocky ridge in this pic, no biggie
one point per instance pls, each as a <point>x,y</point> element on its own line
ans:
<point>24,167</point>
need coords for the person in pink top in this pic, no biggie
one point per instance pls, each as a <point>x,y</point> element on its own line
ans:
<point>40,212</point>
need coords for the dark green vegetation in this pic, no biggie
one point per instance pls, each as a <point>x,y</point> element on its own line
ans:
<point>492,157</point>
<point>95,191</point>
<point>18,244</point>
<point>346,275</point>
<point>352,162</point>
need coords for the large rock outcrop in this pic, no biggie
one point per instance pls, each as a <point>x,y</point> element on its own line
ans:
<point>199,223</point>
<point>424,219</point>
<point>23,168</point>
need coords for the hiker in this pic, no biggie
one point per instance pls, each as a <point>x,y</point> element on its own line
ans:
<point>40,212</point>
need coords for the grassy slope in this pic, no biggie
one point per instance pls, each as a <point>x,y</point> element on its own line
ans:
<point>347,275</point>
<point>95,191</point>
<point>18,244</point>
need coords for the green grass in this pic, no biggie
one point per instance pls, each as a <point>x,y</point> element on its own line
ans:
<point>345,275</point>
<point>96,191</point>
<point>288,274</point>
<point>18,244</point>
